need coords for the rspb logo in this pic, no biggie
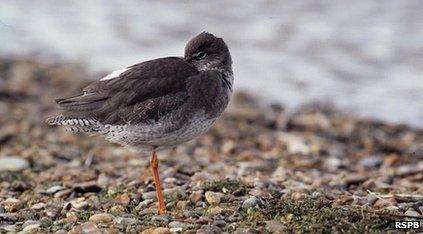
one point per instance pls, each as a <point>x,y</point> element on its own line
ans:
<point>407,225</point>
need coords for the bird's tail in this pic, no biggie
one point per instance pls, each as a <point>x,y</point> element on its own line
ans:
<point>75,124</point>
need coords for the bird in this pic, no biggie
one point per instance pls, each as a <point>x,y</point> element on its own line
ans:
<point>156,104</point>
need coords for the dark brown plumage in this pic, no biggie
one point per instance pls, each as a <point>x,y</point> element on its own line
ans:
<point>156,104</point>
<point>145,92</point>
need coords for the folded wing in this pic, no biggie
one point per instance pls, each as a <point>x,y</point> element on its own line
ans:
<point>143,92</point>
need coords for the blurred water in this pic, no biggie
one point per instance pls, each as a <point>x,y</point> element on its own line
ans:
<point>365,56</point>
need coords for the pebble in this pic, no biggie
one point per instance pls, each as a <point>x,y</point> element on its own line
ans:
<point>213,198</point>
<point>173,192</point>
<point>87,187</point>
<point>101,218</point>
<point>182,205</point>
<point>54,189</point>
<point>209,229</point>
<point>177,224</point>
<point>63,193</point>
<point>370,162</point>
<point>71,217</point>
<point>403,206</point>
<point>219,222</point>
<point>144,204</point>
<point>297,196</point>
<point>13,163</point>
<point>117,209</point>
<point>31,228</point>
<point>192,213</point>
<point>252,202</point>
<point>295,144</point>
<point>274,226</point>
<point>215,210</point>
<point>392,208</point>
<point>235,217</point>
<point>123,199</point>
<point>197,195</point>
<point>176,230</point>
<point>333,163</point>
<point>159,230</point>
<point>126,221</point>
<point>163,219</point>
<point>38,206</point>
<point>412,212</point>
<point>86,228</point>
<point>12,204</point>
<point>382,203</point>
<point>79,204</point>
<point>8,228</point>
<point>61,231</point>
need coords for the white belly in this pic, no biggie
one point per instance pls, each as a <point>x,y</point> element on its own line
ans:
<point>147,136</point>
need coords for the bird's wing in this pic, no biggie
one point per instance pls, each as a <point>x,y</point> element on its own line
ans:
<point>140,93</point>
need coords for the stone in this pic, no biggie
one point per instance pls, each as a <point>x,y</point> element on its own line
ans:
<point>162,219</point>
<point>126,221</point>
<point>177,224</point>
<point>382,203</point>
<point>87,187</point>
<point>219,222</point>
<point>213,198</point>
<point>148,231</point>
<point>117,209</point>
<point>8,228</point>
<point>370,162</point>
<point>297,196</point>
<point>197,195</point>
<point>215,210</point>
<point>13,163</point>
<point>209,229</point>
<point>63,193</point>
<point>159,230</point>
<point>79,204</point>
<point>277,227</point>
<point>172,192</point>
<point>61,231</point>
<point>38,206</point>
<point>392,208</point>
<point>71,217</point>
<point>29,222</point>
<point>12,204</point>
<point>235,217</point>
<point>252,202</point>
<point>54,189</point>
<point>86,228</point>
<point>144,204</point>
<point>101,218</point>
<point>182,205</point>
<point>295,144</point>
<point>123,199</point>
<point>411,212</point>
<point>31,228</point>
<point>176,230</point>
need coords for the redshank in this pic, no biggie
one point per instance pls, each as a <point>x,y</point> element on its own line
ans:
<point>156,104</point>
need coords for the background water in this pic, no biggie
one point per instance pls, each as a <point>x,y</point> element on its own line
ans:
<point>364,56</point>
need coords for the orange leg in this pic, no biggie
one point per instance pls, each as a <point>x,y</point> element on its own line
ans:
<point>154,167</point>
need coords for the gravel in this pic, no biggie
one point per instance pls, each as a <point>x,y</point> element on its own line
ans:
<point>250,170</point>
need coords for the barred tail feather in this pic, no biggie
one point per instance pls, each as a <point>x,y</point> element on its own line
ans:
<point>75,124</point>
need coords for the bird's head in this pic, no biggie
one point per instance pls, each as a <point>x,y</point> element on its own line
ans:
<point>206,52</point>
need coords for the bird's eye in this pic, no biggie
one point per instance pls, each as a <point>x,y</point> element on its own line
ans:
<point>201,55</point>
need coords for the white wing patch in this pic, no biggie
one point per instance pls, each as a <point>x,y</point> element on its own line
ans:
<point>114,74</point>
